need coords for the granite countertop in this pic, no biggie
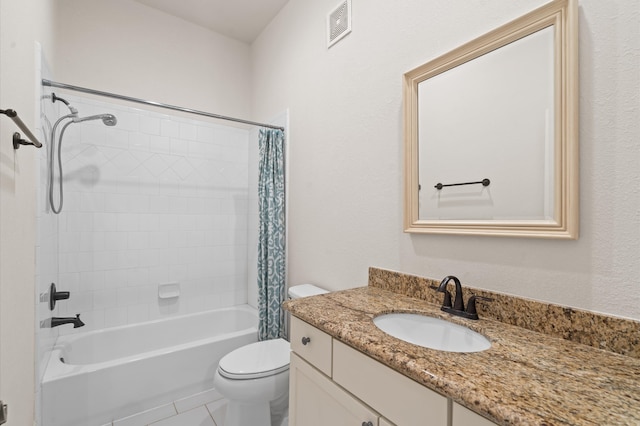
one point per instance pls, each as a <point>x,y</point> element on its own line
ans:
<point>525,378</point>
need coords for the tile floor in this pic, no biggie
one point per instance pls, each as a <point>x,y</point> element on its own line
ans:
<point>203,409</point>
<point>207,408</point>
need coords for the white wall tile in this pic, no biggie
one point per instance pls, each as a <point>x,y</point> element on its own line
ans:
<point>127,296</point>
<point>169,128</point>
<point>129,121</point>
<point>117,138</point>
<point>160,144</point>
<point>149,222</point>
<point>178,273</point>
<point>129,259</point>
<point>138,277</point>
<point>105,260</point>
<point>115,317</point>
<point>139,141</point>
<point>188,131</point>
<point>92,280</point>
<point>149,125</point>
<point>114,240</point>
<point>147,202</point>
<point>137,240</point>
<point>147,294</point>
<point>104,222</point>
<point>179,147</point>
<point>115,278</point>
<point>137,313</point>
<point>127,222</point>
<point>159,274</point>
<point>159,239</point>
<point>105,299</point>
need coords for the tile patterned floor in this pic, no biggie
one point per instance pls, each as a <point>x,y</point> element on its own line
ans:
<point>204,409</point>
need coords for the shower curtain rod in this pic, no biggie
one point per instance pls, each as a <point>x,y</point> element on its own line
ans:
<point>50,83</point>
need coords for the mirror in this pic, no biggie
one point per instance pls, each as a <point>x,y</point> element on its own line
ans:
<point>491,132</point>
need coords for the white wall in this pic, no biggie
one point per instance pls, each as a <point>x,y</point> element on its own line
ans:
<point>346,156</point>
<point>21,25</point>
<point>124,47</point>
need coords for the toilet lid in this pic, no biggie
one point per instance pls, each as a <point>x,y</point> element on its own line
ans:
<point>255,360</point>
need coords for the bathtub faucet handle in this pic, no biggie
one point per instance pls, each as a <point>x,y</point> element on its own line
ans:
<point>55,295</point>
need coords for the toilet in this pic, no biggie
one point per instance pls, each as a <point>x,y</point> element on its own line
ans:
<point>255,377</point>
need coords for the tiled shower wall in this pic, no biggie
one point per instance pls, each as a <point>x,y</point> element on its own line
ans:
<point>156,199</point>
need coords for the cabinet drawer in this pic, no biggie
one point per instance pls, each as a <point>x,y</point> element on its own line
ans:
<point>311,344</point>
<point>397,397</point>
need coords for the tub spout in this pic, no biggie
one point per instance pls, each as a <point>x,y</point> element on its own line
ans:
<point>55,321</point>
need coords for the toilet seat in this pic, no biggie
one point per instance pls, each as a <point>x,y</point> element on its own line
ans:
<point>260,359</point>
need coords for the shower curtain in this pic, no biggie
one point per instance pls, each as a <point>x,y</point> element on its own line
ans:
<point>271,240</point>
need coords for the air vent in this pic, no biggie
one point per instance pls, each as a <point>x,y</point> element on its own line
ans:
<point>339,23</point>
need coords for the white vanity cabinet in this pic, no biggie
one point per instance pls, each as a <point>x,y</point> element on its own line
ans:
<point>333,384</point>
<point>315,400</point>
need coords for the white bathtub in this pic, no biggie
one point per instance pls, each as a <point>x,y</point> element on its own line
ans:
<point>113,373</point>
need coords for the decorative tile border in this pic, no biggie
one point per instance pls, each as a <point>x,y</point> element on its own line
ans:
<point>613,334</point>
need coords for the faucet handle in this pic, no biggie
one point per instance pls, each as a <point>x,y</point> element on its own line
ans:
<point>471,305</point>
<point>55,295</point>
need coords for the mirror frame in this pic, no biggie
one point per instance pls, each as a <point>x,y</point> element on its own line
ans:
<point>562,15</point>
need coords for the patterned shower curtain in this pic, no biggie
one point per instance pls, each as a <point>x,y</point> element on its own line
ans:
<point>271,240</point>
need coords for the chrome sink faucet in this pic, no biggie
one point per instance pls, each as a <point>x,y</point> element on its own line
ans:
<point>458,304</point>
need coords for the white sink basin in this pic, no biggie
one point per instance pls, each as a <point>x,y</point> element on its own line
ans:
<point>433,333</point>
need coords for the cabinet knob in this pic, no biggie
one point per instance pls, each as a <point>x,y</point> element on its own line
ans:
<point>367,424</point>
<point>306,340</point>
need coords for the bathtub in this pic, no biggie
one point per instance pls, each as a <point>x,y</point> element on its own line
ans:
<point>95,377</point>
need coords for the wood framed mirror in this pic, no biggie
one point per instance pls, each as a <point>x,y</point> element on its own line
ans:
<point>491,132</point>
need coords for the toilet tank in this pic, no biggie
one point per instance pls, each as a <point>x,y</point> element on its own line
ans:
<point>305,290</point>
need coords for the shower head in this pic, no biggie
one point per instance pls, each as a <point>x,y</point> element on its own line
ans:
<point>107,119</point>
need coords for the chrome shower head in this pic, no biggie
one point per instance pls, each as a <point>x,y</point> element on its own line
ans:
<point>107,119</point>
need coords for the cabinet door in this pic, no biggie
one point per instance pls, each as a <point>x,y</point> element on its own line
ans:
<point>385,422</point>
<point>462,416</point>
<point>394,396</point>
<point>314,400</point>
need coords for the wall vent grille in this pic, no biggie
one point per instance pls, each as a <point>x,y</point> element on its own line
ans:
<point>339,23</point>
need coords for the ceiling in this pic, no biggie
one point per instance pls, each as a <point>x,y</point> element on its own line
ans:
<point>242,20</point>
